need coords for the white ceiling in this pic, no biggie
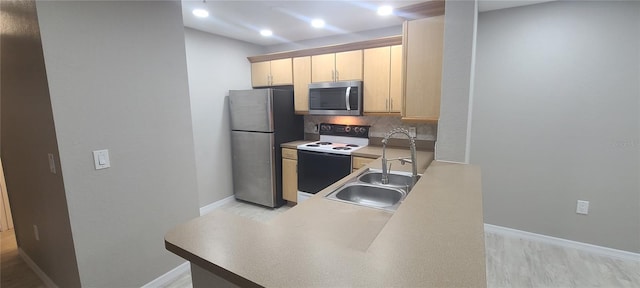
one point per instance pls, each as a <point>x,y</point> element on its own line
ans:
<point>290,20</point>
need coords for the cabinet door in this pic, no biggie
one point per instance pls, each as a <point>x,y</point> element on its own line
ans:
<point>349,65</point>
<point>376,79</point>
<point>423,67</point>
<point>260,73</point>
<point>359,162</point>
<point>289,180</point>
<point>301,80</point>
<point>395,79</point>
<point>281,72</point>
<point>322,68</point>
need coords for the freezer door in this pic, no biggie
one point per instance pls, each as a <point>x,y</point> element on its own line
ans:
<point>251,110</point>
<point>254,167</point>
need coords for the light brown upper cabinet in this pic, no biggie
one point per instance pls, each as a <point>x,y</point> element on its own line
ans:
<point>395,81</point>
<point>383,79</point>
<point>301,80</point>
<point>423,41</point>
<point>342,66</point>
<point>272,73</point>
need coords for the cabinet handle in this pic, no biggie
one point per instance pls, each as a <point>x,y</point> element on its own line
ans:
<point>337,76</point>
<point>386,104</point>
<point>333,75</point>
<point>391,104</point>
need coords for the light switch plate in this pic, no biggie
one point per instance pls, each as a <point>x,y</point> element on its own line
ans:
<point>582,207</point>
<point>101,159</point>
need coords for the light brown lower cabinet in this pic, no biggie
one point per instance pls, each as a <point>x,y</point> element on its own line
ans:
<point>358,162</point>
<point>290,174</point>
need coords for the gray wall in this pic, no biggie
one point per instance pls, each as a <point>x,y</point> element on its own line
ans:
<point>457,71</point>
<point>118,81</point>
<point>216,64</point>
<point>37,196</point>
<point>555,119</point>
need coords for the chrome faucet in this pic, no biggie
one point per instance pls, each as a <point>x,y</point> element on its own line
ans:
<point>414,164</point>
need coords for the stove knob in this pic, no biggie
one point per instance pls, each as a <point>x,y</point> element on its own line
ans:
<point>347,129</point>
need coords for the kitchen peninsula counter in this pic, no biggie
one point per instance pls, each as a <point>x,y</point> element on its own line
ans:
<point>434,239</point>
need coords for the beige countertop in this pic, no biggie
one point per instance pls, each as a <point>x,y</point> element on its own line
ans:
<point>294,144</point>
<point>434,239</point>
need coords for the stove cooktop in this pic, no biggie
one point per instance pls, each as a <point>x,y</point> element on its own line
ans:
<point>332,147</point>
<point>339,139</point>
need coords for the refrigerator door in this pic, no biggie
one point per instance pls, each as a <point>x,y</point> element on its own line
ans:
<point>253,164</point>
<point>251,110</point>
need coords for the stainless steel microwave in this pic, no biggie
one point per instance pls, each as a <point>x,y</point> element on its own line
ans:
<point>335,98</point>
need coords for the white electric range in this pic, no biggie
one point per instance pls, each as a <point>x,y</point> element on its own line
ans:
<point>324,162</point>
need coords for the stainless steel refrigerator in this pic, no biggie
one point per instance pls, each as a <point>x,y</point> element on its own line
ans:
<point>261,120</point>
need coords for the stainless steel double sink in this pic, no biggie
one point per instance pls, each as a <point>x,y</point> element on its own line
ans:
<point>367,189</point>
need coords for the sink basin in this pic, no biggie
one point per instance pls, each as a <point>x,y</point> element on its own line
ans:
<point>396,179</point>
<point>367,190</point>
<point>369,195</point>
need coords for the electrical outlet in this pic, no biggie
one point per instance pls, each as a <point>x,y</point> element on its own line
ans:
<point>52,163</point>
<point>36,234</point>
<point>583,207</point>
<point>315,128</point>
<point>412,131</point>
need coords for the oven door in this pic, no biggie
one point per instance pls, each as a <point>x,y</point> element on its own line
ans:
<point>317,170</point>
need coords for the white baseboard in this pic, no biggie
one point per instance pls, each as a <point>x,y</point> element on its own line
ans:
<point>166,278</point>
<point>36,269</point>
<point>595,249</point>
<point>176,272</point>
<point>213,206</point>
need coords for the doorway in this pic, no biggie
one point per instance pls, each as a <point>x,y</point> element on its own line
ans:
<point>6,221</point>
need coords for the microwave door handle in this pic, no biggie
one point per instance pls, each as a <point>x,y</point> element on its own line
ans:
<point>346,98</point>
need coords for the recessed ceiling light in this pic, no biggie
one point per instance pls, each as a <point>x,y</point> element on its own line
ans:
<point>266,32</point>
<point>317,23</point>
<point>200,13</point>
<point>385,10</point>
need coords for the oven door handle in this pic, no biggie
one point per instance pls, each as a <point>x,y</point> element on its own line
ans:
<point>346,98</point>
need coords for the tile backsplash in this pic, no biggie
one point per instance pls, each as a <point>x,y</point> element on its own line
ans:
<point>380,125</point>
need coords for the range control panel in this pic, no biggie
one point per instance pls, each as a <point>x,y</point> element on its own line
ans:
<point>360,131</point>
